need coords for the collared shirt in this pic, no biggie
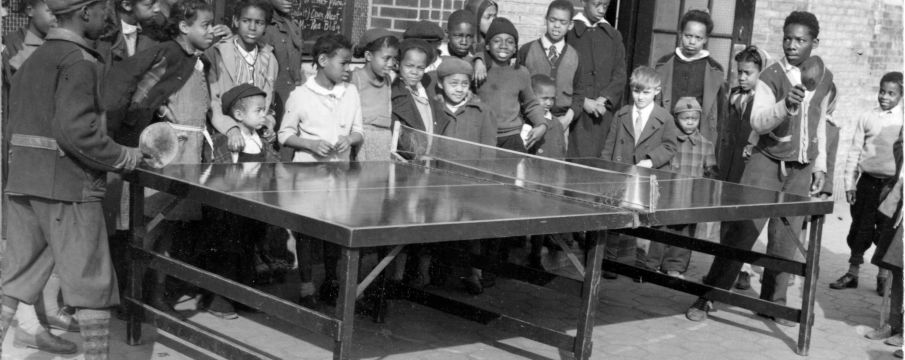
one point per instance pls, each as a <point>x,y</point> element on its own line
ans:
<point>645,116</point>
<point>251,58</point>
<point>546,44</point>
<point>695,156</point>
<point>130,34</point>
<point>767,114</point>
<point>871,150</point>
<point>30,44</point>
<point>581,17</point>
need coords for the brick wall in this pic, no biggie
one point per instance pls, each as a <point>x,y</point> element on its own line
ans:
<point>859,42</point>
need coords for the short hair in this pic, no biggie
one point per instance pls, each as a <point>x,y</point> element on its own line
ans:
<point>562,5</point>
<point>700,16</point>
<point>25,4</point>
<point>328,44</point>
<point>538,80</point>
<point>264,5</point>
<point>803,18</point>
<point>893,77</point>
<point>645,76</point>
<point>416,45</point>
<point>388,41</point>
<point>751,54</point>
<point>185,10</point>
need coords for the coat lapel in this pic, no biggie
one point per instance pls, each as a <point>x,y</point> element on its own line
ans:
<point>653,124</point>
<point>712,85</point>
<point>625,117</point>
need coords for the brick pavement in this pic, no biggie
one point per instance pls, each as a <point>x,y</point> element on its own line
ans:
<point>635,321</point>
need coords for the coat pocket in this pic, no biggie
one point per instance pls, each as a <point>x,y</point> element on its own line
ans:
<point>27,155</point>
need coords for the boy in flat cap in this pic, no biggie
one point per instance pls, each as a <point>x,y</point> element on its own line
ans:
<point>58,166</point>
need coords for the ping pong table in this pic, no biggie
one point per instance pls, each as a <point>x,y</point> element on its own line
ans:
<point>359,205</point>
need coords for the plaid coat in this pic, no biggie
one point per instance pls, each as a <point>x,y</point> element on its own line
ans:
<point>695,157</point>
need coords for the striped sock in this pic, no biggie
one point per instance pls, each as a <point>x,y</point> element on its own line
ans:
<point>95,329</point>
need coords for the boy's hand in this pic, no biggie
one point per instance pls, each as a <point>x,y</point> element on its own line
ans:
<point>817,181</point>
<point>602,101</point>
<point>268,135</point>
<point>535,135</point>
<point>646,163</point>
<point>566,119</point>
<point>480,71</point>
<point>591,106</point>
<point>236,142</point>
<point>795,97</point>
<point>747,151</point>
<point>342,144</point>
<point>850,197</point>
<point>321,148</point>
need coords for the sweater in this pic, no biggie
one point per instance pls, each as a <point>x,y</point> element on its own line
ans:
<point>872,144</point>
<point>507,90</point>
<point>316,113</point>
<point>533,56</point>
<point>375,98</point>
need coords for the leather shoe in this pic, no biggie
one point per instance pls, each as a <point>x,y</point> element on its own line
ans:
<point>895,340</point>
<point>897,353</point>
<point>778,321</point>
<point>847,281</point>
<point>44,341</point>
<point>473,285</point>
<point>880,333</point>
<point>743,282</point>
<point>881,285</point>
<point>698,311</point>
<point>63,321</point>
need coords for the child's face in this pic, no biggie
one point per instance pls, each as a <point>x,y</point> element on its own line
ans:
<point>254,113</point>
<point>461,39</point>
<point>144,10</point>
<point>41,17</point>
<point>558,24</point>
<point>748,73</point>
<point>595,10</point>
<point>487,18</point>
<point>382,62</point>
<point>693,38</point>
<point>688,121</point>
<point>250,25</point>
<point>337,67</point>
<point>411,69</point>
<point>282,6</point>
<point>200,31</point>
<point>644,95</point>
<point>502,47</point>
<point>97,20</point>
<point>546,94</point>
<point>455,87</point>
<point>797,43</point>
<point>890,95</point>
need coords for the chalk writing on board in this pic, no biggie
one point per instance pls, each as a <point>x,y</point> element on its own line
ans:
<point>319,15</point>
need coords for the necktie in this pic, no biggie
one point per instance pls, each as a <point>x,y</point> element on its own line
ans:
<point>639,125</point>
<point>552,55</point>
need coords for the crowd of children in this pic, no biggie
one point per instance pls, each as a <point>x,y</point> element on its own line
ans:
<point>238,94</point>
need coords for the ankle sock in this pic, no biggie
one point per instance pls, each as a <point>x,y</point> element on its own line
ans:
<point>854,269</point>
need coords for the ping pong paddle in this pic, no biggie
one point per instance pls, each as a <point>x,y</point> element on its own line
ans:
<point>159,144</point>
<point>812,72</point>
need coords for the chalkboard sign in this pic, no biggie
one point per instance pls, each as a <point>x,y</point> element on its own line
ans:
<point>317,17</point>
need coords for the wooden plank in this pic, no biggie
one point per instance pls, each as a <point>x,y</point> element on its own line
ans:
<point>345,304</point>
<point>137,267</point>
<point>592,279</point>
<point>809,292</point>
<point>377,270</point>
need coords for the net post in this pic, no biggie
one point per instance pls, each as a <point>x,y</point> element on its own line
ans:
<point>654,196</point>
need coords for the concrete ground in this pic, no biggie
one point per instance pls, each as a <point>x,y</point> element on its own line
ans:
<point>635,321</point>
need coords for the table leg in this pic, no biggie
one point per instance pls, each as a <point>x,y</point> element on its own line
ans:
<point>345,304</point>
<point>809,292</point>
<point>583,343</point>
<point>136,273</point>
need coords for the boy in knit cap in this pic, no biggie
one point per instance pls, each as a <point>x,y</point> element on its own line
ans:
<point>57,176</point>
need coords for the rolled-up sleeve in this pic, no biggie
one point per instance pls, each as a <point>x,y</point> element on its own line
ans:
<point>853,156</point>
<point>767,113</point>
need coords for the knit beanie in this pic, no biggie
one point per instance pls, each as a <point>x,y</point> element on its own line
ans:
<point>425,30</point>
<point>460,17</point>
<point>502,25</point>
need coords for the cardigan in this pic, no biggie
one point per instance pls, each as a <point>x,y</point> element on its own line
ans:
<point>316,113</point>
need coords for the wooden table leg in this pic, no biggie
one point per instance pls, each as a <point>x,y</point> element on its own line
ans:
<point>583,343</point>
<point>136,273</point>
<point>345,304</point>
<point>809,291</point>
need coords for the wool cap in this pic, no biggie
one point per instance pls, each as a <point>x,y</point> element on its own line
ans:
<point>373,35</point>
<point>241,91</point>
<point>67,6</point>
<point>460,17</point>
<point>687,103</point>
<point>452,65</point>
<point>502,25</point>
<point>425,30</point>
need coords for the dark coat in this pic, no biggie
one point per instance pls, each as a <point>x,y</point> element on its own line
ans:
<point>137,86</point>
<point>889,243</point>
<point>59,148</point>
<point>112,45</point>
<point>601,72</point>
<point>659,139</point>
<point>286,38</point>
<point>733,138</point>
<point>473,121</point>
<point>715,100</point>
<point>406,112</point>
